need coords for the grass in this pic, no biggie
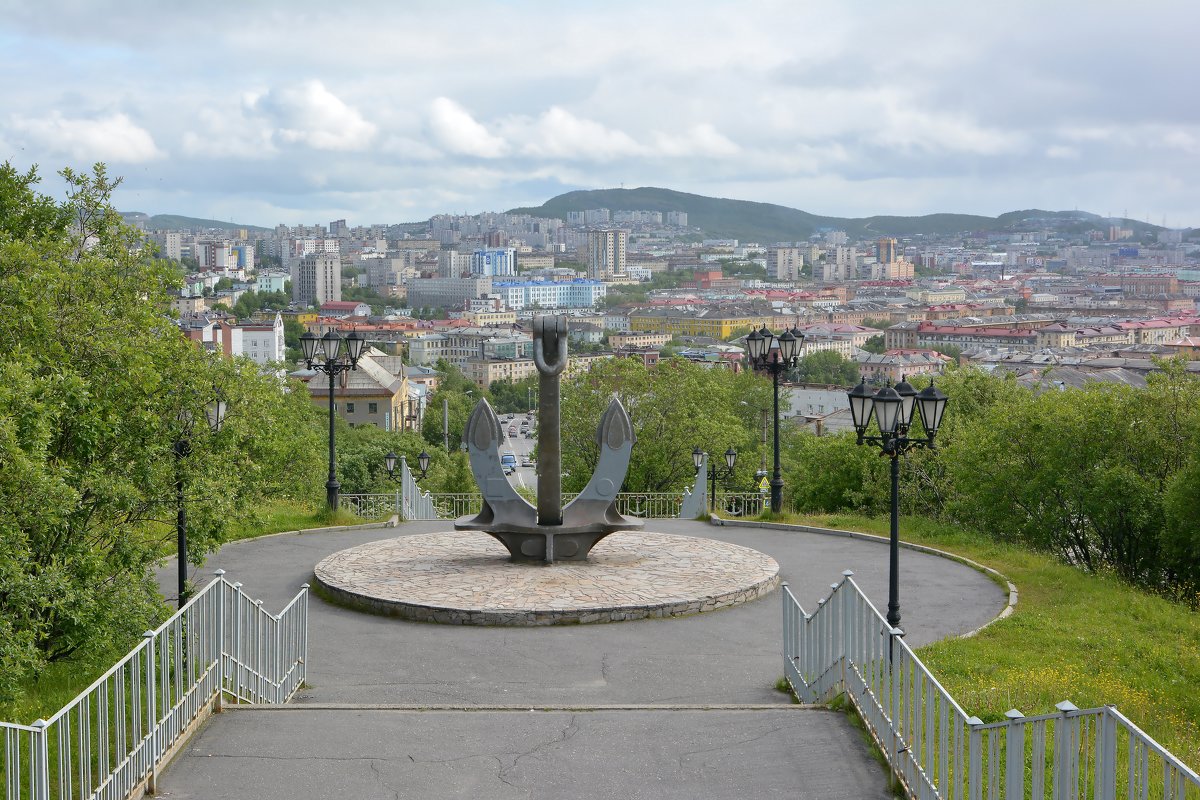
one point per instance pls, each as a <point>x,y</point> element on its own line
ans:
<point>1090,639</point>
<point>54,686</point>
<point>292,515</point>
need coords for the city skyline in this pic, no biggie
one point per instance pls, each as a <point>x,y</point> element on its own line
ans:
<point>293,113</point>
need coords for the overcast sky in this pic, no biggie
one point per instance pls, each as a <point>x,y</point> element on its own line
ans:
<point>393,111</point>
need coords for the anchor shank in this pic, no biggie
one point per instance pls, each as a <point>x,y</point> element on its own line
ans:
<point>549,471</point>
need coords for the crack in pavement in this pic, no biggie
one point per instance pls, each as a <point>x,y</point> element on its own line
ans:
<point>728,745</point>
<point>384,784</point>
<point>566,734</point>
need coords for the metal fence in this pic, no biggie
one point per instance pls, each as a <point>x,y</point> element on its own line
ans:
<point>113,736</point>
<point>421,505</point>
<point>371,506</point>
<point>935,749</point>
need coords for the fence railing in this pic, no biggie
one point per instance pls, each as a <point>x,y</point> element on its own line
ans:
<point>371,506</point>
<point>935,749</point>
<point>413,503</point>
<point>114,735</point>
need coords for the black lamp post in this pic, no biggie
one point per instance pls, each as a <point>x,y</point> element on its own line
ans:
<point>893,408</point>
<point>714,471</point>
<point>214,414</point>
<point>338,355</point>
<point>775,355</point>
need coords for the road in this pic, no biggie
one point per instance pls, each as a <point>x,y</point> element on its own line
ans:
<point>524,477</point>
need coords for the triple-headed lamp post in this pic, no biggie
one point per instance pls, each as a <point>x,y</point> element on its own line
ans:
<point>338,355</point>
<point>214,414</point>
<point>775,354</point>
<point>714,471</point>
<point>893,408</point>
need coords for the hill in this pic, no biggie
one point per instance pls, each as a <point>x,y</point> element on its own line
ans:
<point>766,222</point>
<point>174,222</point>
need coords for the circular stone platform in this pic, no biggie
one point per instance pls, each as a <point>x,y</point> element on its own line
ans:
<point>466,578</point>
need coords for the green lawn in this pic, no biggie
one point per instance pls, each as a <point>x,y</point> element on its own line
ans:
<point>292,515</point>
<point>1090,639</point>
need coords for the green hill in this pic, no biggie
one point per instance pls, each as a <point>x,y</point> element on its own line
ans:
<point>175,222</point>
<point>767,223</point>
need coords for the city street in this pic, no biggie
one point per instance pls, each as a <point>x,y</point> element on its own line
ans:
<point>521,447</point>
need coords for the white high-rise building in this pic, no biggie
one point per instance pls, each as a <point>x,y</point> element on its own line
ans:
<point>493,263</point>
<point>317,278</point>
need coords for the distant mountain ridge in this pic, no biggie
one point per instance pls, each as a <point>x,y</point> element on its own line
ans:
<point>766,223</point>
<point>175,222</point>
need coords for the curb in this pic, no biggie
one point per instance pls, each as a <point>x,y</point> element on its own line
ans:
<point>1009,606</point>
<point>470,709</point>
<point>301,531</point>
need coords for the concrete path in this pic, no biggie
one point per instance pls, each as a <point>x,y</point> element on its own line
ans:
<point>725,657</point>
<point>368,754</point>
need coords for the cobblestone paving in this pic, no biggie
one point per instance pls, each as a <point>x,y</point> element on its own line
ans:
<point>467,578</point>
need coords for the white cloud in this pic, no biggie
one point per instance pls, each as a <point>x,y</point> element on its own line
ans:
<point>228,134</point>
<point>114,137</point>
<point>700,140</point>
<point>557,133</point>
<point>456,130</point>
<point>311,115</point>
<point>1062,151</point>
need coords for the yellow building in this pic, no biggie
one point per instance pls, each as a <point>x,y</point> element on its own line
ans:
<point>714,322</point>
<point>485,318</point>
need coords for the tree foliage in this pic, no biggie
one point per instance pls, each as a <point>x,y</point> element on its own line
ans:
<point>828,367</point>
<point>96,385</point>
<point>1103,476</point>
<point>674,406</point>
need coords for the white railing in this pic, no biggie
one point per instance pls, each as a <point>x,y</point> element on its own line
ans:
<point>935,749</point>
<point>647,505</point>
<point>110,740</point>
<point>370,506</point>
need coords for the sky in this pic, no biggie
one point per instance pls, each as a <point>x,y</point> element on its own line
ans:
<point>381,112</point>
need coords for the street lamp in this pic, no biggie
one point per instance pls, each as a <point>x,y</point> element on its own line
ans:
<point>714,471</point>
<point>338,355</point>
<point>893,408</point>
<point>775,354</point>
<point>389,461</point>
<point>214,415</point>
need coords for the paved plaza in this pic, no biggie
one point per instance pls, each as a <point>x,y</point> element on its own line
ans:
<point>388,707</point>
<point>466,579</point>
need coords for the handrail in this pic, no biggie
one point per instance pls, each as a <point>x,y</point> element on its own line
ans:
<point>935,750</point>
<point>110,740</point>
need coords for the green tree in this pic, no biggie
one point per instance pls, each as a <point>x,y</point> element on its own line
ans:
<point>514,397</point>
<point>875,345</point>
<point>827,366</point>
<point>674,406</point>
<point>460,396</point>
<point>97,385</point>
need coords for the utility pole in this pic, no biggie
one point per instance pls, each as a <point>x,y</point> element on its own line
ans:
<point>446,424</point>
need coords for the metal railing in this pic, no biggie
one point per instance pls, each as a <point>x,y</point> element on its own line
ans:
<point>421,505</point>
<point>113,736</point>
<point>935,749</point>
<point>371,506</point>
<point>741,504</point>
<point>647,505</point>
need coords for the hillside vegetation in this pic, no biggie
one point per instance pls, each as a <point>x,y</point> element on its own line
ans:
<point>766,222</point>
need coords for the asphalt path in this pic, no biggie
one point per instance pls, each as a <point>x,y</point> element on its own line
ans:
<point>725,657</point>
